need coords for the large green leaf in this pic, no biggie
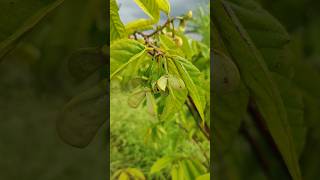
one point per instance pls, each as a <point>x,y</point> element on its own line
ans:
<point>83,116</point>
<point>19,17</point>
<point>191,77</point>
<point>124,52</point>
<point>230,109</point>
<point>176,98</point>
<point>268,35</point>
<point>117,29</point>
<point>293,102</point>
<point>256,76</point>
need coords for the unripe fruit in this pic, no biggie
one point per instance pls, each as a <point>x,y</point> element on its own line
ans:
<point>162,83</point>
<point>178,40</point>
<point>189,15</point>
<point>169,34</point>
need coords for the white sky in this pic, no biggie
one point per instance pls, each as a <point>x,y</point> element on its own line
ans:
<point>129,11</point>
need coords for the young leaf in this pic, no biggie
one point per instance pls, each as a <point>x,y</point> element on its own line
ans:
<point>136,98</point>
<point>151,104</point>
<point>117,29</point>
<point>139,25</point>
<point>258,79</point>
<point>164,5</point>
<point>161,164</point>
<point>124,52</point>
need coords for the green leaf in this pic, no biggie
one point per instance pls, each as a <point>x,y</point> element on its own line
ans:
<point>151,8</point>
<point>161,164</point>
<point>175,173</point>
<point>117,29</point>
<point>123,53</point>
<point>136,173</point>
<point>191,77</point>
<point>139,25</point>
<point>83,116</point>
<point>186,171</point>
<point>164,5</point>
<point>230,109</point>
<point>124,176</point>
<point>136,98</point>
<point>176,98</point>
<point>151,104</point>
<point>168,44</point>
<point>293,102</point>
<point>17,18</point>
<point>204,177</point>
<point>256,76</point>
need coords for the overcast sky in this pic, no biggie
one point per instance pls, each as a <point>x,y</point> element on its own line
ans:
<point>129,11</point>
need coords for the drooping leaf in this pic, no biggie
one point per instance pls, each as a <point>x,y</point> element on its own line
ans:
<point>151,104</point>
<point>136,97</point>
<point>256,76</point>
<point>24,16</point>
<point>117,29</point>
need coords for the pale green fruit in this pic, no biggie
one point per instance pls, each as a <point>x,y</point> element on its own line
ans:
<point>162,83</point>
<point>178,40</point>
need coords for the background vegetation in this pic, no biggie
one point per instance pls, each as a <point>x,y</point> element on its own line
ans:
<point>35,85</point>
<point>269,54</point>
